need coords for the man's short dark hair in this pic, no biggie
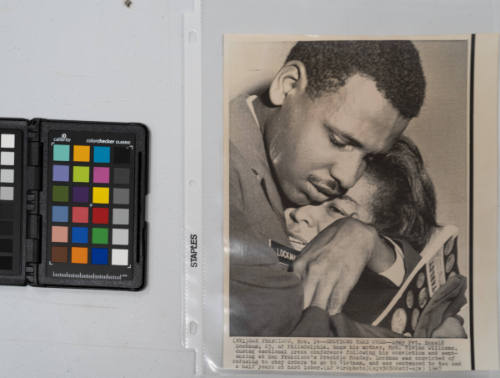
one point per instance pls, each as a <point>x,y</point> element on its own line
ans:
<point>394,66</point>
<point>404,206</point>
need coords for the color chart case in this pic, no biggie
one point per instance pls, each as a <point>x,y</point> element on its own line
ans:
<point>72,203</point>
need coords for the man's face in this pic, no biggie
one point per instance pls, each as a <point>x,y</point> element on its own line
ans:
<point>317,146</point>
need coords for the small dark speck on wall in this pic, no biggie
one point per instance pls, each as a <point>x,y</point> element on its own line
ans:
<point>127,3</point>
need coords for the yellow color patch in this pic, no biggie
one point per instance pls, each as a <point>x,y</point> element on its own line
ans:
<point>79,255</point>
<point>81,153</point>
<point>100,195</point>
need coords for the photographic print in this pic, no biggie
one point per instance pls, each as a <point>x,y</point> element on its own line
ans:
<point>349,166</point>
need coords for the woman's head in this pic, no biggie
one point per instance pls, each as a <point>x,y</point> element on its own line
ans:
<point>304,223</point>
<point>395,195</point>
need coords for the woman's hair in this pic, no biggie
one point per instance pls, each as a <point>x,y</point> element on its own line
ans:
<point>404,207</point>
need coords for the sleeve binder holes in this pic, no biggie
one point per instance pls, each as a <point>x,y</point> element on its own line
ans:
<point>193,328</point>
<point>193,36</point>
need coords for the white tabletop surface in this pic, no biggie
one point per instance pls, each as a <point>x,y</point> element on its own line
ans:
<point>99,60</point>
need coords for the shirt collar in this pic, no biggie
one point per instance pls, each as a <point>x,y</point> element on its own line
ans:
<point>250,100</point>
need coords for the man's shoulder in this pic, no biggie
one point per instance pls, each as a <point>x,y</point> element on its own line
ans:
<point>238,105</point>
<point>247,151</point>
<point>255,205</point>
<point>242,126</point>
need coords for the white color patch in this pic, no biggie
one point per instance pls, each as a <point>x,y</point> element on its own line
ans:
<point>6,158</point>
<point>8,141</point>
<point>7,176</point>
<point>119,257</point>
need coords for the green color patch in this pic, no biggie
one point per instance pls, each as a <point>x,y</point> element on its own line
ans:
<point>60,193</point>
<point>100,235</point>
<point>81,174</point>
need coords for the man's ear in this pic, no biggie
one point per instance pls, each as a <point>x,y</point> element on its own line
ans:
<point>290,78</point>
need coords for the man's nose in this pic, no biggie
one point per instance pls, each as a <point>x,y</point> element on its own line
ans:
<point>348,168</point>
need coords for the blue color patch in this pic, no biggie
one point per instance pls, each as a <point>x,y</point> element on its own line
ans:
<point>79,235</point>
<point>100,256</point>
<point>59,213</point>
<point>101,154</point>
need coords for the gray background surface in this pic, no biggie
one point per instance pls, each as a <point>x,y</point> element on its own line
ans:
<point>98,60</point>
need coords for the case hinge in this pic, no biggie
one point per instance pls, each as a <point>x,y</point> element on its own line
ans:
<point>33,188</point>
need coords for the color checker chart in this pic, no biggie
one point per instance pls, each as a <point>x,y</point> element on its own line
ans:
<point>90,206</point>
<point>73,198</point>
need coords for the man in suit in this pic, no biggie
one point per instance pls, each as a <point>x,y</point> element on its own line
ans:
<point>332,106</point>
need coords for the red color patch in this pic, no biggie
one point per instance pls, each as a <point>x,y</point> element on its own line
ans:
<point>100,215</point>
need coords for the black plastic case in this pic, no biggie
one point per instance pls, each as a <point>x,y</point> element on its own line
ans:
<point>31,217</point>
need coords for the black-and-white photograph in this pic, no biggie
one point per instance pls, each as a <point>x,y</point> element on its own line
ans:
<point>348,182</point>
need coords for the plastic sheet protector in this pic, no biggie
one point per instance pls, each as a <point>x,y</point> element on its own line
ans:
<point>340,192</point>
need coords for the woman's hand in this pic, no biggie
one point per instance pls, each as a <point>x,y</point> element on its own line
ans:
<point>450,328</point>
<point>439,317</point>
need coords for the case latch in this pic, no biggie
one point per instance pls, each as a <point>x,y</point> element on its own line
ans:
<point>33,239</point>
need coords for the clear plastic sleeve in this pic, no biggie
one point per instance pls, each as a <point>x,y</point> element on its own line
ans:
<point>237,47</point>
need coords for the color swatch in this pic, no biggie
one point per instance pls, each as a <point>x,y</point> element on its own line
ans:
<point>9,204</point>
<point>90,205</point>
<point>7,167</point>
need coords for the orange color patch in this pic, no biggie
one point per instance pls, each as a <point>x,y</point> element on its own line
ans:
<point>79,255</point>
<point>81,153</point>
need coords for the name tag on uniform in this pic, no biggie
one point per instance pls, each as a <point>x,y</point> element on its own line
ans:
<point>286,255</point>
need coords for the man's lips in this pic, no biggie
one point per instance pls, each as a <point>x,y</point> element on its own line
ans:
<point>324,189</point>
<point>314,194</point>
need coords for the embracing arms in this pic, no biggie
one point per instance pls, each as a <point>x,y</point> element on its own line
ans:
<point>330,266</point>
